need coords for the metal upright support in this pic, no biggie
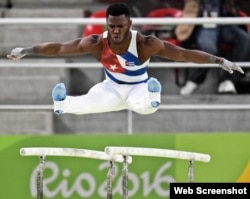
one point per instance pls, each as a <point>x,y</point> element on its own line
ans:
<point>130,122</point>
<point>191,171</point>
<point>39,178</point>
<point>125,178</point>
<point>111,174</point>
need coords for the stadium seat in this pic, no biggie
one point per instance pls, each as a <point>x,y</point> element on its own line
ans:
<point>165,32</point>
<point>95,29</point>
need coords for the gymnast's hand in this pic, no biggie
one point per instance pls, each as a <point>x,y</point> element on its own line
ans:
<point>16,54</point>
<point>230,66</point>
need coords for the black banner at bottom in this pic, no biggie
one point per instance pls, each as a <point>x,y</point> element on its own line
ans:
<point>209,190</point>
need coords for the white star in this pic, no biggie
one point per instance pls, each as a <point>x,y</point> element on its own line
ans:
<point>113,67</point>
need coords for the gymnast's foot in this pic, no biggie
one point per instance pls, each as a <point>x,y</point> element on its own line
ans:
<point>58,94</point>
<point>154,86</point>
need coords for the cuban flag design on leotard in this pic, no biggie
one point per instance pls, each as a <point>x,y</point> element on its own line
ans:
<point>125,68</point>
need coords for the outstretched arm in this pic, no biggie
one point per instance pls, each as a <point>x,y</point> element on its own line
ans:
<point>176,53</point>
<point>74,47</point>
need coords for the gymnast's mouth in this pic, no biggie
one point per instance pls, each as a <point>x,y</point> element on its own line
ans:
<point>117,38</point>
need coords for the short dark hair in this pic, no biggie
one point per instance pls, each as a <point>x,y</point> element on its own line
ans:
<point>118,9</point>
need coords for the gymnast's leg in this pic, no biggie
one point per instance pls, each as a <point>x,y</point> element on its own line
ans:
<point>145,97</point>
<point>100,98</point>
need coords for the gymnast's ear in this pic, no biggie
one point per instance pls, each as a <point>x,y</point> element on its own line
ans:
<point>130,23</point>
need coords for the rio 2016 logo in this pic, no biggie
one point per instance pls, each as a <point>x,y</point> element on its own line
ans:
<point>146,184</point>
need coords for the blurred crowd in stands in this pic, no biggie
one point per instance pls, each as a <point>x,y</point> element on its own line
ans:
<point>214,39</point>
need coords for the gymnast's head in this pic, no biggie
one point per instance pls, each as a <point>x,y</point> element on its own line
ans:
<point>118,23</point>
<point>118,9</point>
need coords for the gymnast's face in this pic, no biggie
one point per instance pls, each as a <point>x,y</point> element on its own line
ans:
<point>118,28</point>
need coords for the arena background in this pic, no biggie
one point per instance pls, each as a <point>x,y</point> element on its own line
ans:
<point>222,133</point>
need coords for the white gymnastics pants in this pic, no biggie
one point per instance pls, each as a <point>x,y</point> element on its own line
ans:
<point>109,96</point>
